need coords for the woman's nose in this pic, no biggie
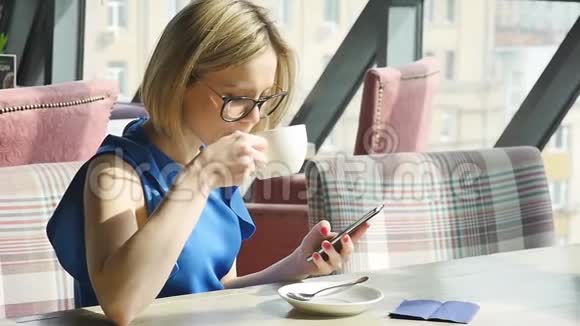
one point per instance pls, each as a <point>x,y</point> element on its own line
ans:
<point>253,117</point>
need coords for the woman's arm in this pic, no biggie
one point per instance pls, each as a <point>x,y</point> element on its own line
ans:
<point>130,255</point>
<point>130,259</point>
<point>278,272</point>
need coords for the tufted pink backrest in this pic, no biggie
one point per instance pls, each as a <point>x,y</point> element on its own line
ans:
<point>56,123</point>
<point>396,108</point>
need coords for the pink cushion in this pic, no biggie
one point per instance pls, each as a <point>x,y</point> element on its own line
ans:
<point>56,123</point>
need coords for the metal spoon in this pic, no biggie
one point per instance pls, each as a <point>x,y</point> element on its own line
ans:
<point>308,296</point>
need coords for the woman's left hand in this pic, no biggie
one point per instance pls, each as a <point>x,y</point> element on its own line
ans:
<point>318,238</point>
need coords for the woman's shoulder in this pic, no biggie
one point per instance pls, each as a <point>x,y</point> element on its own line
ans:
<point>113,165</point>
<point>128,152</point>
<point>108,173</point>
<point>120,151</point>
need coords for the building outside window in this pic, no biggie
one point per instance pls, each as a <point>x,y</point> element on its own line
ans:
<point>332,11</point>
<point>560,140</point>
<point>451,11</point>
<point>117,70</point>
<point>117,14</point>
<point>450,65</point>
<point>429,9</point>
<point>559,193</point>
<point>282,12</point>
<point>448,129</point>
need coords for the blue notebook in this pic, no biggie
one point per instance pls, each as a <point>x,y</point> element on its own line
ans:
<point>450,311</point>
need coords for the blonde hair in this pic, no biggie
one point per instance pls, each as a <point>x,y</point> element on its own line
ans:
<point>206,36</point>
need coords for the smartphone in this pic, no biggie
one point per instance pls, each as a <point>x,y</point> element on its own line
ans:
<point>349,230</point>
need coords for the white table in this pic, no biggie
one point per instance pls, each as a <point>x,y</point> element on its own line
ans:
<point>534,287</point>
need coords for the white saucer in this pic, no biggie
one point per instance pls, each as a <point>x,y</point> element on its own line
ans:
<point>340,302</point>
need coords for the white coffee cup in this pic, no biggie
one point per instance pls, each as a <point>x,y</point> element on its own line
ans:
<point>287,147</point>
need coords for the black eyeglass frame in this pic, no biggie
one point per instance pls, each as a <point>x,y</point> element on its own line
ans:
<point>257,103</point>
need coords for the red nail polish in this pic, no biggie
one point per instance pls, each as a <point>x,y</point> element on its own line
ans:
<point>315,256</point>
<point>346,239</point>
<point>326,245</point>
<point>324,230</point>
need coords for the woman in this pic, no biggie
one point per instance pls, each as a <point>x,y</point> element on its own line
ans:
<point>152,216</point>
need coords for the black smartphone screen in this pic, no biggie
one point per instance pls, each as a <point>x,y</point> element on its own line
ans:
<point>335,241</point>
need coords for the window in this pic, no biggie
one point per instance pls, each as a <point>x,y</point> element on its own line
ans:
<point>172,8</point>
<point>560,139</point>
<point>451,11</point>
<point>486,73</point>
<point>331,11</point>
<point>559,193</point>
<point>117,70</point>
<point>145,20</point>
<point>117,13</point>
<point>326,60</point>
<point>429,9</point>
<point>516,89</point>
<point>282,12</point>
<point>449,65</point>
<point>448,130</point>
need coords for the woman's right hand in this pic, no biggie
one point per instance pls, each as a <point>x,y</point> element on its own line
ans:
<point>229,160</point>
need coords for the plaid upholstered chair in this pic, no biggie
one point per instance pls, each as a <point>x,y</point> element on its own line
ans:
<point>46,133</point>
<point>438,206</point>
<point>33,282</point>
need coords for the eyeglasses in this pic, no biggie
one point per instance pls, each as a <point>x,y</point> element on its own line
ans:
<point>236,108</point>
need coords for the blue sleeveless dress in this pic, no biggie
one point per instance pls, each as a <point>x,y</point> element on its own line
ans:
<point>208,253</point>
